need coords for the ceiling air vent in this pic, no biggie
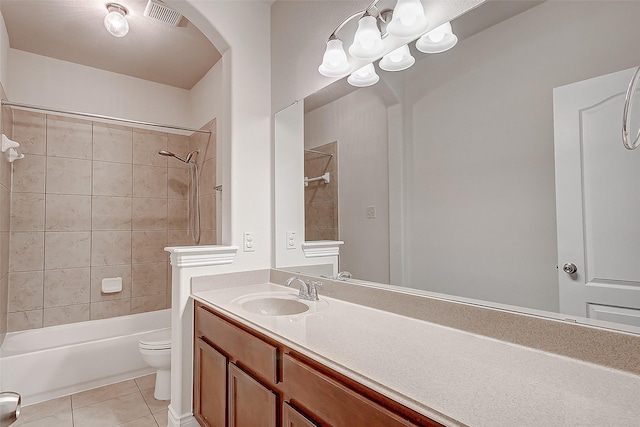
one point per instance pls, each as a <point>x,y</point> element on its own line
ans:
<point>157,10</point>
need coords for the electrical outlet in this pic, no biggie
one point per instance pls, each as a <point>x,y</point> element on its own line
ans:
<point>291,240</point>
<point>249,243</point>
<point>371,212</point>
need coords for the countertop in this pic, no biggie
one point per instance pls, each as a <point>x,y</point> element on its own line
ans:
<point>433,369</point>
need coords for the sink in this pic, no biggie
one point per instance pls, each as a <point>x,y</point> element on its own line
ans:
<point>273,306</point>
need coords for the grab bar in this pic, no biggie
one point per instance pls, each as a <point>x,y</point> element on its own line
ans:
<point>626,115</point>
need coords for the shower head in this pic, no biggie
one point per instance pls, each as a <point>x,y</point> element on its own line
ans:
<point>170,154</point>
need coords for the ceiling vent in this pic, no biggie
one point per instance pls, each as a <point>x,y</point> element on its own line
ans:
<point>157,10</point>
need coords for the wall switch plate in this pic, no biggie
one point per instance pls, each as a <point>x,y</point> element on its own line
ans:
<point>291,240</point>
<point>249,244</point>
<point>371,212</point>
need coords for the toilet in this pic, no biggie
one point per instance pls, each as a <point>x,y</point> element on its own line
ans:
<point>155,349</point>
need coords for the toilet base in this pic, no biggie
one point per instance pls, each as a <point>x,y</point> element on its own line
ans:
<point>163,385</point>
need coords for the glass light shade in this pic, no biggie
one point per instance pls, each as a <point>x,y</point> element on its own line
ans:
<point>397,60</point>
<point>365,76</point>
<point>408,19</point>
<point>334,61</point>
<point>367,42</point>
<point>438,40</point>
<point>115,22</point>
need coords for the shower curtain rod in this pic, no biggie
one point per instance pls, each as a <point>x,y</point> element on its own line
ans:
<point>98,116</point>
<point>318,152</point>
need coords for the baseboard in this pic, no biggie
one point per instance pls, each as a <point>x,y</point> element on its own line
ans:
<point>186,420</point>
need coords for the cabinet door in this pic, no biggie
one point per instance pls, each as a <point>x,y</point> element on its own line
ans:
<point>292,418</point>
<point>250,403</point>
<point>210,394</point>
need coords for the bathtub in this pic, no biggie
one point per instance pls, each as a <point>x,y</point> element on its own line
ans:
<point>43,364</point>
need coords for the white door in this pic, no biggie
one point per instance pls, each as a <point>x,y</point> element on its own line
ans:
<point>598,201</point>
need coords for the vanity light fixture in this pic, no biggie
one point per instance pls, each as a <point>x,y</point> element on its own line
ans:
<point>116,22</point>
<point>408,20</point>
<point>365,76</point>
<point>438,40</point>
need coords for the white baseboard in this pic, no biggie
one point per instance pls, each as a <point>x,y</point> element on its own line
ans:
<point>185,420</point>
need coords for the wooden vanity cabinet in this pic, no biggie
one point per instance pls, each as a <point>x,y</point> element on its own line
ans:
<point>245,379</point>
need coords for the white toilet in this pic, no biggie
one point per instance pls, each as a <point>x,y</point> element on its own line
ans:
<point>155,349</point>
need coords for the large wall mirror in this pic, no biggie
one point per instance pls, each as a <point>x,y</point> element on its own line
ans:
<point>480,172</point>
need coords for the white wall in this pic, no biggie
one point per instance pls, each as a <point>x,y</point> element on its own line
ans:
<point>358,122</point>
<point>481,217</point>
<point>40,80</point>
<point>4,51</point>
<point>205,97</point>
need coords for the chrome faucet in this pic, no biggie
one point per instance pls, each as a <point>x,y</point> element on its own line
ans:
<point>343,275</point>
<point>308,289</point>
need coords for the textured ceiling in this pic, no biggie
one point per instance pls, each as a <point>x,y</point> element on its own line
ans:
<point>73,30</point>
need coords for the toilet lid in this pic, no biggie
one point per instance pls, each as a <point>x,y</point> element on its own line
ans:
<point>156,340</point>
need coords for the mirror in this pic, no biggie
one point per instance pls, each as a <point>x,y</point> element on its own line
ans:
<point>447,171</point>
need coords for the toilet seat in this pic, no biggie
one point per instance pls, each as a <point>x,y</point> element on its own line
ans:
<point>159,340</point>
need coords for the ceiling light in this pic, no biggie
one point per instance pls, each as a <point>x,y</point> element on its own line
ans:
<point>408,19</point>
<point>365,76</point>
<point>334,61</point>
<point>116,22</point>
<point>397,60</point>
<point>438,40</point>
<point>367,42</point>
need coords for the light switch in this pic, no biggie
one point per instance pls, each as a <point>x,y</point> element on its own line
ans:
<point>371,212</point>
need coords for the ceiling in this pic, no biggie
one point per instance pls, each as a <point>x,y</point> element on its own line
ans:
<point>73,31</point>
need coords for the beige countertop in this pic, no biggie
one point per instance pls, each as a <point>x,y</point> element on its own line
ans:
<point>475,380</point>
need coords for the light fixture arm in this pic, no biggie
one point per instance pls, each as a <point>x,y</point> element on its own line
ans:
<point>360,14</point>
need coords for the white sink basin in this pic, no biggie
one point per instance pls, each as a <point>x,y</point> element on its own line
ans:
<point>274,306</point>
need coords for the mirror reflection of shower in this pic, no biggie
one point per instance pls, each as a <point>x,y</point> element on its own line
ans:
<point>194,191</point>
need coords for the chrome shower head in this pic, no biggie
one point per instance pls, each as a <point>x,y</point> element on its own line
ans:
<point>170,154</point>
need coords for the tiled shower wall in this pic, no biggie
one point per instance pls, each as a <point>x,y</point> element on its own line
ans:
<point>5,188</point>
<point>321,199</point>
<point>91,201</point>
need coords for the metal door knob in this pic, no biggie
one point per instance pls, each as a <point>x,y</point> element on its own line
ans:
<point>569,268</point>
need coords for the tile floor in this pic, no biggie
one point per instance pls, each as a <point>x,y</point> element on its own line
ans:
<point>125,404</point>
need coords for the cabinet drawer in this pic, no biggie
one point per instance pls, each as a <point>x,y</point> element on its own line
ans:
<point>253,353</point>
<point>330,402</point>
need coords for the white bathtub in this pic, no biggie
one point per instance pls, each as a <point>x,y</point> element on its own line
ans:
<point>43,364</point>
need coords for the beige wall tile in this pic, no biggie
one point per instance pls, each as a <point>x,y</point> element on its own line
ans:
<point>149,303</point>
<point>112,143</point>
<point>146,145</point>
<point>67,249</point>
<point>5,173</point>
<point>177,143</point>
<point>29,174</point>
<point>111,248</point>
<point>27,251</point>
<point>4,296</point>
<point>68,176</point>
<point>67,137</point>
<point>68,213</point>
<point>208,177</point>
<point>149,214</point>
<point>148,246</point>
<point>67,314</point>
<point>208,212</point>
<point>178,182</point>
<point>149,181</point>
<point>112,179</point>
<point>27,211</point>
<point>25,291</point>
<point>24,320</point>
<point>179,238</point>
<point>29,129</point>
<point>107,309</point>
<point>5,209</point>
<point>178,214</point>
<point>99,273</point>
<point>111,213</point>
<point>5,239</point>
<point>208,237</point>
<point>148,279</point>
<point>66,286</point>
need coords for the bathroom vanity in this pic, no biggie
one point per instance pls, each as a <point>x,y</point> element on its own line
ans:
<point>366,356</point>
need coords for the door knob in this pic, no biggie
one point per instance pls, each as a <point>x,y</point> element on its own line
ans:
<point>569,268</point>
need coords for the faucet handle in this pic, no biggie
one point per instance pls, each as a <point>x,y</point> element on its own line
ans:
<point>313,291</point>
